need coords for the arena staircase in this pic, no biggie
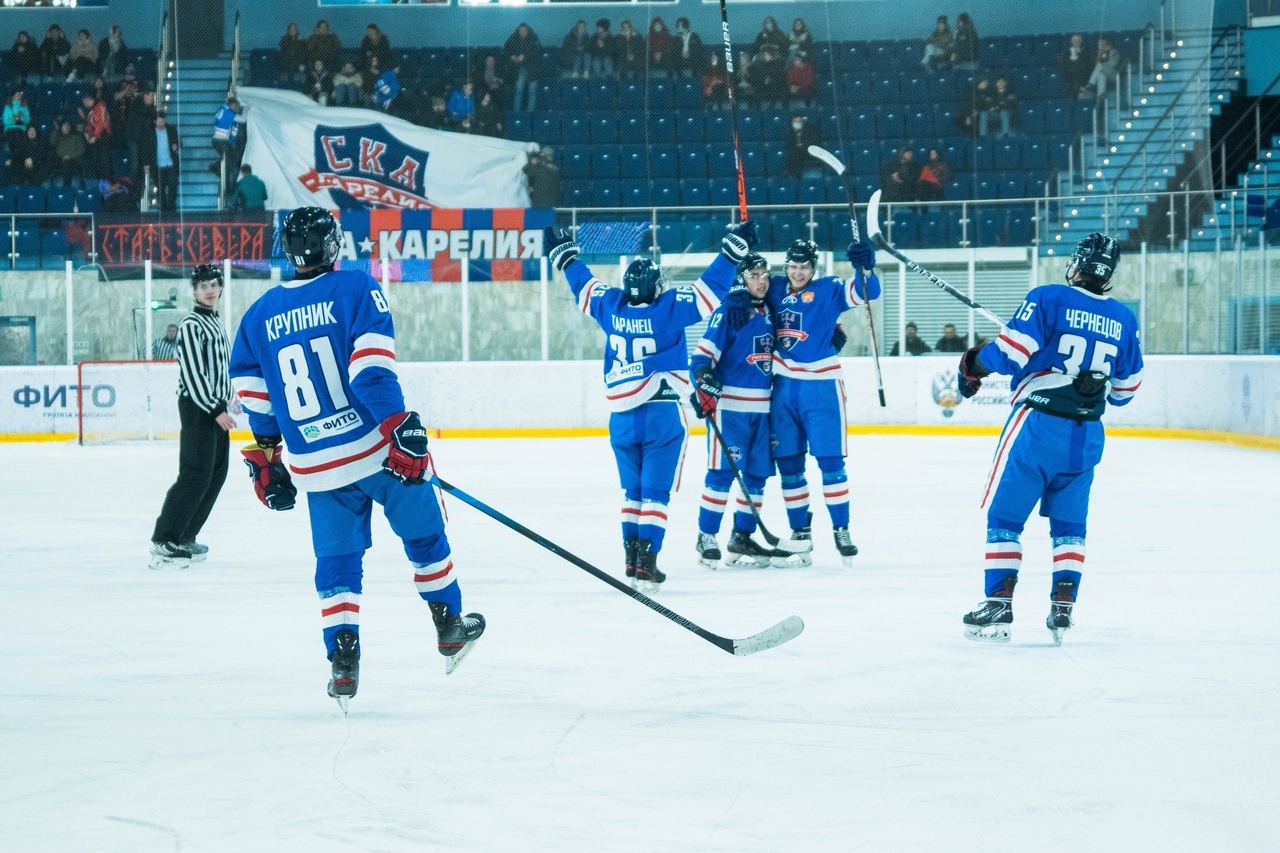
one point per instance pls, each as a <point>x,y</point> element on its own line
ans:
<point>200,88</point>
<point>1141,146</point>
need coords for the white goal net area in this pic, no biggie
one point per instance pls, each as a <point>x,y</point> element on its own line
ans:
<point>126,401</point>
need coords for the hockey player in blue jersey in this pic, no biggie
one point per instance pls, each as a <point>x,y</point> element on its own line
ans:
<point>1069,351</point>
<point>807,410</point>
<point>732,371</point>
<point>646,379</point>
<point>314,364</point>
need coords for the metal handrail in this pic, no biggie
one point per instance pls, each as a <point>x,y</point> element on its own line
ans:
<point>62,216</point>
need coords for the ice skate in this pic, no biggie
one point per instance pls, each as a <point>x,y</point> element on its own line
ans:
<point>630,545</point>
<point>844,544</point>
<point>990,622</point>
<point>745,551</point>
<point>1060,604</point>
<point>799,547</point>
<point>169,555</point>
<point>345,661</point>
<point>199,553</point>
<point>708,550</point>
<point>456,634</point>
<point>648,577</point>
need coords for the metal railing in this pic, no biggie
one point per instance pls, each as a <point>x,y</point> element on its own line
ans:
<point>15,257</point>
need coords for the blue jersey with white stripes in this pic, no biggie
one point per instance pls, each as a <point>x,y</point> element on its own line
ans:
<point>1060,330</point>
<point>315,361</point>
<point>805,319</point>
<point>742,360</point>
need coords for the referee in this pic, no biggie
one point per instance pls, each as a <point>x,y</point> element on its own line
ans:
<point>204,393</point>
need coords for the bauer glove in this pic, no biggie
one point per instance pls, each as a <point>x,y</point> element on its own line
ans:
<point>271,480</point>
<point>407,456</point>
<point>839,338</point>
<point>560,248</point>
<point>706,392</point>
<point>970,373</point>
<point>738,307</point>
<point>861,255</point>
<point>739,241</point>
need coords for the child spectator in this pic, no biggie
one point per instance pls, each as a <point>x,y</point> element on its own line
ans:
<point>715,82</point>
<point>934,175</point>
<point>462,107</point>
<point>319,83</point>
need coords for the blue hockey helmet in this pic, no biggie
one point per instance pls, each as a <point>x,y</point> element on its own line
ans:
<point>642,281</point>
<point>1096,257</point>
<point>310,237</point>
<point>803,251</point>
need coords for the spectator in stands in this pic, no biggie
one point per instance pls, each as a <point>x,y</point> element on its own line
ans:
<point>1003,109</point>
<point>24,59</point>
<point>69,149</point>
<point>1076,66</point>
<point>166,348</point>
<point>1106,70</point>
<point>100,92</point>
<point>97,135</point>
<point>687,54</point>
<point>292,62</point>
<point>977,101</point>
<point>600,49</point>
<point>113,53</point>
<point>126,94</point>
<point>224,125</point>
<point>139,122</point>
<point>323,45</point>
<point>319,85</point>
<point>436,117</point>
<point>29,161</point>
<point>165,158</point>
<point>524,64</point>
<point>803,134</point>
<point>371,76</point>
<point>802,83</point>
<point>573,52</point>
<point>388,95</point>
<point>462,107</point>
<point>966,47</point>
<point>118,195</point>
<point>489,116</point>
<point>914,345</point>
<point>494,84</point>
<point>799,40</point>
<point>82,59</point>
<point>375,45</point>
<point>630,56</point>
<point>17,117</point>
<point>937,47</point>
<point>659,47</point>
<point>934,175</point>
<point>950,341</point>
<point>251,192</point>
<point>542,177</point>
<point>347,86</point>
<point>767,78</point>
<point>54,51</point>
<point>772,37</point>
<point>715,82</point>
<point>900,178</point>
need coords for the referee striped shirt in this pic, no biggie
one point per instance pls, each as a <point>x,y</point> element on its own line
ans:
<point>203,353</point>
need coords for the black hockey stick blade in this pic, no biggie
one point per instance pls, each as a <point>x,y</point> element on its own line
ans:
<point>787,629</point>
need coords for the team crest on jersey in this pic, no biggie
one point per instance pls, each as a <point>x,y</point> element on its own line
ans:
<point>789,328</point>
<point>762,353</point>
<point>366,166</point>
<point>807,296</point>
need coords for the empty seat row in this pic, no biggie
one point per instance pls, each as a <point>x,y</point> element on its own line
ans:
<point>20,199</point>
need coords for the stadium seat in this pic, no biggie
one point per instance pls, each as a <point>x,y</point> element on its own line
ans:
<point>693,162</point>
<point>577,194</point>
<point>604,163</point>
<point>635,193</point>
<point>575,163</point>
<point>783,190</point>
<point>9,199</point>
<point>724,191</point>
<point>775,160</point>
<point>990,231</point>
<point>631,129</point>
<point>694,192</point>
<point>919,125</point>
<point>1030,120</point>
<point>1011,185</point>
<point>933,230</point>
<point>573,95</point>
<point>915,91</point>
<point>602,96</point>
<point>25,252</point>
<point>1020,228</point>
<point>885,91</point>
<point>519,127</point>
<point>603,130</point>
<point>605,194</point>
<point>812,191</point>
<point>688,95</point>
<point>691,129</point>
<point>88,201</point>
<point>661,96</point>
<point>775,126</point>
<point>634,161</point>
<point>858,92</point>
<point>982,154</point>
<point>698,234</point>
<point>669,236</point>
<point>546,129</point>
<point>31,199</point>
<point>890,123</point>
<point>60,200</point>
<point>1008,155</point>
<point>662,128</point>
<point>666,192</point>
<point>573,128</point>
<point>749,127</point>
<point>664,161</point>
<point>1082,117</point>
<point>719,128</point>
<point>53,249</point>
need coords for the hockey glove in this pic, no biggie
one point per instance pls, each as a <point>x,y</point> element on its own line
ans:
<point>861,255</point>
<point>839,338</point>
<point>706,392</point>
<point>969,375</point>
<point>560,248</point>
<point>739,241</point>
<point>271,480</point>
<point>738,307</point>
<point>407,456</point>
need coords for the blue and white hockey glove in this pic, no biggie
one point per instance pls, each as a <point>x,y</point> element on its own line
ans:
<point>707,389</point>
<point>738,307</point>
<point>839,338</point>
<point>861,255</point>
<point>970,373</point>
<point>559,247</point>
<point>740,239</point>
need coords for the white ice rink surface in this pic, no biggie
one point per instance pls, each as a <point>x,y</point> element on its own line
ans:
<point>144,710</point>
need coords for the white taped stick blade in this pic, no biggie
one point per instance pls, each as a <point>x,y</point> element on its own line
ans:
<point>787,629</point>
<point>827,157</point>
<point>873,215</point>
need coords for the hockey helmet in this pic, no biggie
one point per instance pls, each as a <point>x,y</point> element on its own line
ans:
<point>642,281</point>
<point>1097,256</point>
<point>752,261</point>
<point>803,251</point>
<point>206,272</point>
<point>310,237</point>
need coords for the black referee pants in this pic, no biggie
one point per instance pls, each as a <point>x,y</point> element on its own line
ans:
<point>203,450</point>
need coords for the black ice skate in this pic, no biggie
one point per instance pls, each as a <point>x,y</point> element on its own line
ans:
<point>745,551</point>
<point>456,634</point>
<point>844,544</point>
<point>631,544</point>
<point>1060,604</point>
<point>708,550</point>
<point>799,547</point>
<point>990,622</point>
<point>199,553</point>
<point>648,577</point>
<point>169,555</point>
<point>345,661</point>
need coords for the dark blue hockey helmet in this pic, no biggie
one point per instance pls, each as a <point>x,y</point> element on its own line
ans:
<point>1097,257</point>
<point>310,237</point>
<point>206,272</point>
<point>803,251</point>
<point>642,281</point>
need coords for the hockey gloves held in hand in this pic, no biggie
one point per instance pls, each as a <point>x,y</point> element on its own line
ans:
<point>969,376</point>
<point>739,241</point>
<point>407,456</point>
<point>738,307</point>
<point>861,255</point>
<point>271,480</point>
<point>839,338</point>
<point>706,392</point>
<point>559,247</point>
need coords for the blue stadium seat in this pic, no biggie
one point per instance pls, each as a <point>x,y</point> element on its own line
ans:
<point>1026,85</point>
<point>661,95</point>
<point>886,91</point>
<point>26,245</point>
<point>31,199</point>
<point>774,126</point>
<point>635,193</point>
<point>693,162</point>
<point>1020,227</point>
<point>984,186</point>
<point>546,129</point>
<point>719,128</point>
<point>941,87</point>
<point>1035,155</point>
<point>890,123</point>
<point>1008,155</point>
<point>1030,119</point>
<point>904,226</point>
<point>749,127</point>
<point>631,129</point>
<point>691,129</point>
<point>788,228</point>
<point>60,200</point>
<point>956,151</point>
<point>575,162</point>
<point>630,94</point>
<point>688,95</point>
<point>605,194</point>
<point>662,128</point>
<point>666,192</point>
<point>720,164</point>
<point>602,96</point>
<point>919,125</point>
<point>573,128</point>
<point>915,91</point>
<point>574,95</point>
<point>603,130</point>
<point>604,164</point>
<point>53,249</point>
<point>933,230</point>
<point>634,161</point>
<point>89,201</point>
<point>724,191</point>
<point>982,154</point>
<point>669,236</point>
<point>812,191</point>
<point>783,190</point>
<point>9,199</point>
<point>865,161</point>
<point>697,233</point>
<point>1011,185</point>
<point>959,187</point>
<point>547,99</point>
<point>577,194</point>
<point>694,191</point>
<point>859,92</point>
<point>1082,117</point>
<point>990,228</point>
<point>663,161</point>
<point>519,127</point>
<point>1059,153</point>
